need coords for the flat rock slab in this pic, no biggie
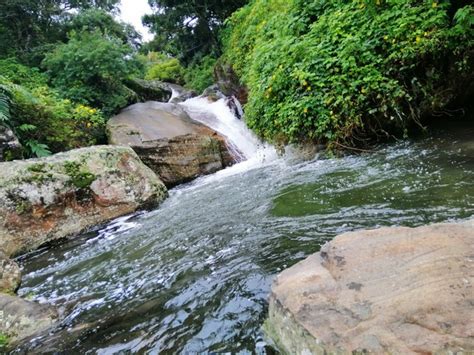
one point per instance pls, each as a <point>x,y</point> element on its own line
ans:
<point>167,140</point>
<point>391,290</point>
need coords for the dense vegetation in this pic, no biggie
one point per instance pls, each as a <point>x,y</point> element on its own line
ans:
<point>62,64</point>
<point>328,71</point>
<point>342,71</point>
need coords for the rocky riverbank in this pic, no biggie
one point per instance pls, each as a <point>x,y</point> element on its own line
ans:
<point>391,290</point>
<point>42,200</point>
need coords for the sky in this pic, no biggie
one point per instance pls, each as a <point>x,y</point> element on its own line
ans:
<point>131,11</point>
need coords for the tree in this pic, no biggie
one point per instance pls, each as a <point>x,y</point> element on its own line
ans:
<point>28,26</point>
<point>189,28</point>
<point>91,68</point>
<point>96,19</point>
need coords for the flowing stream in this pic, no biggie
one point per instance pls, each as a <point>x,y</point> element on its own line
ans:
<point>194,275</point>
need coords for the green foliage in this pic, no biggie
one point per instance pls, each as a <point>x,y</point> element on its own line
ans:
<point>4,106</point>
<point>44,122</point>
<point>164,68</point>
<point>96,19</point>
<point>79,178</point>
<point>3,341</point>
<point>27,27</point>
<point>339,71</point>
<point>199,75</point>
<point>464,19</point>
<point>19,74</point>
<point>91,68</point>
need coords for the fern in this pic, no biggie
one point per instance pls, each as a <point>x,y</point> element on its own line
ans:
<point>38,149</point>
<point>4,107</point>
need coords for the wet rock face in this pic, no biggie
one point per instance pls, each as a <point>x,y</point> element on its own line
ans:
<point>10,275</point>
<point>167,140</point>
<point>51,198</point>
<point>391,290</point>
<point>229,84</point>
<point>10,147</point>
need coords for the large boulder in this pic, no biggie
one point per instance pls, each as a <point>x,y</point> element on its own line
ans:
<point>146,90</point>
<point>391,291</point>
<point>177,148</point>
<point>10,147</point>
<point>51,198</point>
<point>21,319</point>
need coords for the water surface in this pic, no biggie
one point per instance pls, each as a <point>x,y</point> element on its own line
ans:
<point>194,275</point>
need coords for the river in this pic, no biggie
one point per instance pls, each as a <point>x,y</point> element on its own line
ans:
<point>194,275</point>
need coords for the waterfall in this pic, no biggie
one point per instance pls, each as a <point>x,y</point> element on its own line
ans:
<point>219,117</point>
<point>248,149</point>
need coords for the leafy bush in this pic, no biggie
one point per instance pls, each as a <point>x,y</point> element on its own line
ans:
<point>19,74</point>
<point>45,123</point>
<point>90,69</point>
<point>163,68</point>
<point>340,71</point>
<point>199,75</point>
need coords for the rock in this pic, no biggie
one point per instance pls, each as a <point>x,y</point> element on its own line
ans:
<point>20,319</point>
<point>229,83</point>
<point>10,275</point>
<point>51,198</point>
<point>10,147</point>
<point>179,94</point>
<point>155,90</point>
<point>213,94</point>
<point>392,290</point>
<point>149,90</point>
<point>174,146</point>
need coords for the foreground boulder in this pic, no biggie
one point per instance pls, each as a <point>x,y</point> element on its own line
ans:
<point>167,140</point>
<point>51,198</point>
<point>391,290</point>
<point>21,319</point>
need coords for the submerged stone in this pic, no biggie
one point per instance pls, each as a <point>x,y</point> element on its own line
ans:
<point>391,290</point>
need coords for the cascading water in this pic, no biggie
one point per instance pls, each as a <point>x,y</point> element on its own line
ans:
<point>193,276</point>
<point>244,145</point>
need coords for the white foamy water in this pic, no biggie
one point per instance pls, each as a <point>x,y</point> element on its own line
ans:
<point>249,151</point>
<point>219,117</point>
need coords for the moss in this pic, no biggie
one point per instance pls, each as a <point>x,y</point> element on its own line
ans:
<point>23,207</point>
<point>39,174</point>
<point>37,168</point>
<point>3,341</point>
<point>80,178</point>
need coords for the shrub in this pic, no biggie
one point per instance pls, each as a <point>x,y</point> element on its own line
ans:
<point>340,71</point>
<point>199,75</point>
<point>90,69</point>
<point>45,123</point>
<point>164,68</point>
